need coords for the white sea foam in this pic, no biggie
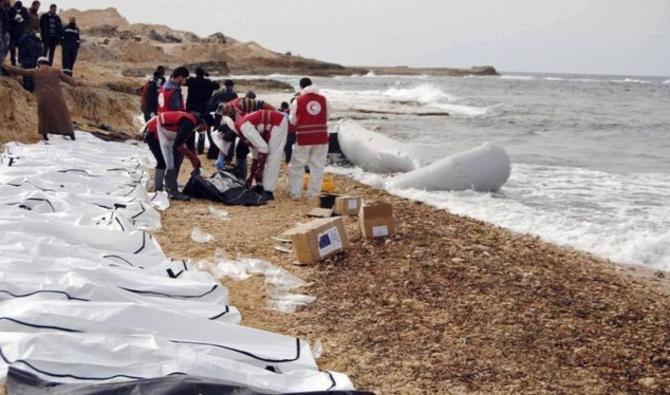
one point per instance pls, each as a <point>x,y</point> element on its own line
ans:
<point>424,94</point>
<point>666,82</point>
<point>420,98</point>
<point>632,81</point>
<point>618,217</point>
<point>517,77</point>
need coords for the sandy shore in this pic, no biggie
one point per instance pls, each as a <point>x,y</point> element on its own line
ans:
<point>450,304</point>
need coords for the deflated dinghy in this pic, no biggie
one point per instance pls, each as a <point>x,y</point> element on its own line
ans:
<point>428,167</point>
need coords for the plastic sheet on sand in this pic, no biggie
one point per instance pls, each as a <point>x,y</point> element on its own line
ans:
<point>279,282</point>
<point>81,276</point>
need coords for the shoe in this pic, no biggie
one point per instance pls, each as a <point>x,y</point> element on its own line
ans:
<point>268,195</point>
<point>171,186</point>
<point>158,179</point>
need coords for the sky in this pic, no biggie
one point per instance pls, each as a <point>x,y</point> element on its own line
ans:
<point>627,37</point>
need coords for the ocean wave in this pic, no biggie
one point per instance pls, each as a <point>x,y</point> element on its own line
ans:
<point>517,77</point>
<point>424,94</point>
<point>631,81</point>
<point>553,79</point>
<point>666,82</point>
<point>462,109</point>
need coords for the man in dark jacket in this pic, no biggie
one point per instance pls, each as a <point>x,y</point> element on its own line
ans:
<point>150,96</point>
<point>30,49</point>
<point>33,22</point>
<point>221,97</point>
<point>51,29</point>
<point>18,18</point>
<point>200,91</point>
<point>4,29</point>
<point>70,46</point>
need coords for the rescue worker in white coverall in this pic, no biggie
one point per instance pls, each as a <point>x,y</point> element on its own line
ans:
<point>309,114</point>
<point>265,132</point>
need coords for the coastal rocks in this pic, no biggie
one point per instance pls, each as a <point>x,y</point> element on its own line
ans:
<point>218,38</point>
<point>212,67</point>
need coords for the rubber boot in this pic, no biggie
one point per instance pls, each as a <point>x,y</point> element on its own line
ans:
<point>158,179</point>
<point>171,186</point>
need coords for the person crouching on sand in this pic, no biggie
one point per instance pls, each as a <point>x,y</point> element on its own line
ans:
<point>166,135</point>
<point>52,112</point>
<point>265,133</point>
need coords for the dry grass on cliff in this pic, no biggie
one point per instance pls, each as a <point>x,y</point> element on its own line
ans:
<point>450,304</point>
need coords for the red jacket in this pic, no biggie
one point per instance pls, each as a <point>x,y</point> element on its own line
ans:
<point>264,121</point>
<point>311,119</point>
<point>169,120</point>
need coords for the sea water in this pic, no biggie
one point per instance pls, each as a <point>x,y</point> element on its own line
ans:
<point>590,154</point>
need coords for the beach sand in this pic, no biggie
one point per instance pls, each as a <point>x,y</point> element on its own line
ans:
<point>449,304</point>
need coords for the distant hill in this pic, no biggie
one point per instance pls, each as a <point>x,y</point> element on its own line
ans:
<point>137,48</point>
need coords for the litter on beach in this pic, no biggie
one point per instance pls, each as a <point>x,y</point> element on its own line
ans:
<point>200,236</point>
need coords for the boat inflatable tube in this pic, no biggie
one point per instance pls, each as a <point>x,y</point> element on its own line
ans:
<point>485,168</point>
<point>428,167</point>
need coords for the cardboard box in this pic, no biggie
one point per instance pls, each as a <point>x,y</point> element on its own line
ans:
<point>376,220</point>
<point>320,213</point>
<point>319,239</point>
<point>347,205</point>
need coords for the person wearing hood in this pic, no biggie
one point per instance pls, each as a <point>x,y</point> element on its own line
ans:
<point>166,135</point>
<point>71,42</point>
<point>309,115</point>
<point>51,29</point>
<point>52,112</point>
<point>18,18</point>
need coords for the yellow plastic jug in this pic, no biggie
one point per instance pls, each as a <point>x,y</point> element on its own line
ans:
<point>328,185</point>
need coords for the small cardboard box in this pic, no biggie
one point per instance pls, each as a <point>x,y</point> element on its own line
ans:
<point>320,213</point>
<point>376,220</point>
<point>347,205</point>
<point>319,239</point>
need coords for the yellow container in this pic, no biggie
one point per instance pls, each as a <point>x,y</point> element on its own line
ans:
<point>328,185</point>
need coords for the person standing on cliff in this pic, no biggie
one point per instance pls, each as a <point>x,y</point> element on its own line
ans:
<point>200,90</point>
<point>18,18</point>
<point>309,114</point>
<point>70,46</point>
<point>33,22</point>
<point>52,112</point>
<point>5,38</point>
<point>30,49</point>
<point>51,29</point>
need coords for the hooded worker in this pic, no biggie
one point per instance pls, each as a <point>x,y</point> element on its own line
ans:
<point>166,135</point>
<point>265,132</point>
<point>52,112</point>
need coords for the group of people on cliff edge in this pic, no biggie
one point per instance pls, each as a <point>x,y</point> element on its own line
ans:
<point>26,35</point>
<point>240,126</point>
